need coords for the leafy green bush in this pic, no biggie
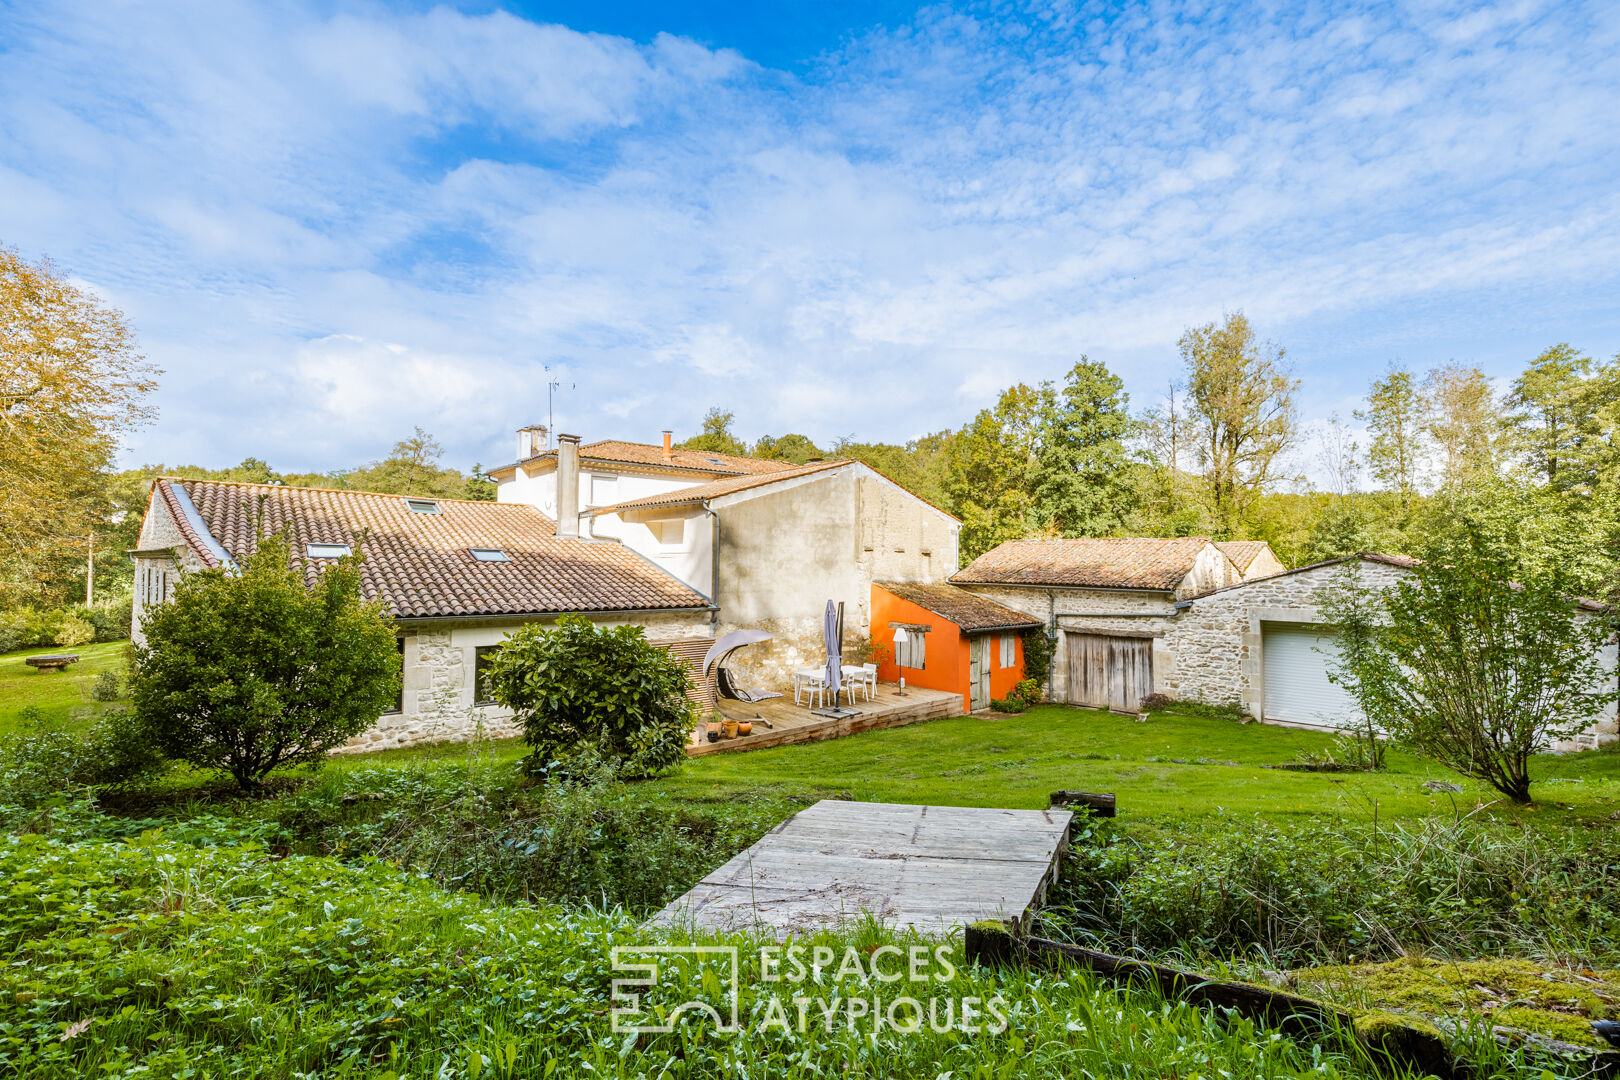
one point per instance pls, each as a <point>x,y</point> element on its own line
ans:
<point>1012,704</point>
<point>72,630</point>
<point>121,752</point>
<point>32,628</point>
<point>591,697</point>
<point>1303,893</point>
<point>248,670</point>
<point>1029,690</point>
<point>1038,649</point>
<point>107,687</point>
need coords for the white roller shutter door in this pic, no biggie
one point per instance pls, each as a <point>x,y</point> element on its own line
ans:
<point>1297,688</point>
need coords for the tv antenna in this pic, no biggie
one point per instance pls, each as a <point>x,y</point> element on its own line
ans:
<point>553,384</point>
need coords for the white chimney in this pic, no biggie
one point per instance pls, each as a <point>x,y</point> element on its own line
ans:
<point>668,435</point>
<point>532,441</point>
<point>568,486</point>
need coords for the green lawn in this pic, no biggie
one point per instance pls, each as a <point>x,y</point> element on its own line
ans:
<point>1020,761</point>
<point>62,697</point>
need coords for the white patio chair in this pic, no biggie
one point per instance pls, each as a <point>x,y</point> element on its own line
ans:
<point>869,680</point>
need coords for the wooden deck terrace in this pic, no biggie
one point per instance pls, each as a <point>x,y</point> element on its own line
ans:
<point>792,723</point>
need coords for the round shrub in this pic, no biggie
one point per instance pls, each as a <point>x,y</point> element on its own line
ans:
<point>73,630</point>
<point>591,696</point>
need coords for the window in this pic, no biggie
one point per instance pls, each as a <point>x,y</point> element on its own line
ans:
<point>488,554</point>
<point>423,506</point>
<point>399,699</point>
<point>913,652</point>
<point>482,655</point>
<point>670,534</point>
<point>326,551</point>
<point>604,490</point>
<point>1009,651</point>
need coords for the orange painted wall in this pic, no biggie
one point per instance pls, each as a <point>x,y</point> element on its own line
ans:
<point>947,650</point>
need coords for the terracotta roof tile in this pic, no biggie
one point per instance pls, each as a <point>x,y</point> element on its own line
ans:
<point>1242,552</point>
<point>1099,563</point>
<point>708,461</point>
<point>966,610</point>
<point>716,488</point>
<point>420,564</point>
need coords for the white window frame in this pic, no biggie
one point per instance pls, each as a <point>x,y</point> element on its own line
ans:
<point>1009,651</point>
<point>327,551</point>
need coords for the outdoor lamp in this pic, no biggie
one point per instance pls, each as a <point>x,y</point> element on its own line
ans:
<point>900,638</point>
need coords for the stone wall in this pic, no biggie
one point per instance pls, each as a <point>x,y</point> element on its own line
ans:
<point>159,532</point>
<point>439,664</point>
<point>1214,644</point>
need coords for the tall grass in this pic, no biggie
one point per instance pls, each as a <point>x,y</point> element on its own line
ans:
<point>1313,893</point>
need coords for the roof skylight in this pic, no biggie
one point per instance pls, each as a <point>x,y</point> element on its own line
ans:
<point>488,554</point>
<point>423,506</point>
<point>326,551</point>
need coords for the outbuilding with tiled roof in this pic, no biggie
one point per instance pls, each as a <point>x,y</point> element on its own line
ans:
<point>457,575</point>
<point>954,640</point>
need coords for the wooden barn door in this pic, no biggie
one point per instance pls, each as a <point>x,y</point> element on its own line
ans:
<point>978,673</point>
<point>1109,672</point>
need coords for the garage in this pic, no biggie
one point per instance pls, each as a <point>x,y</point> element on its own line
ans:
<point>1297,658</point>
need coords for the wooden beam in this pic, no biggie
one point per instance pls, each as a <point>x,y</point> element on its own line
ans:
<point>1101,804</point>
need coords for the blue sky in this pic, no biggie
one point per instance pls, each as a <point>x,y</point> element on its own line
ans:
<point>331,223</point>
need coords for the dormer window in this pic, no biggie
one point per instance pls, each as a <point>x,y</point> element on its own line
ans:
<point>326,551</point>
<point>488,554</point>
<point>423,506</point>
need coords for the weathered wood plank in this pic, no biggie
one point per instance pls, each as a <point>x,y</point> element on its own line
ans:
<point>1101,803</point>
<point>795,724</point>
<point>930,868</point>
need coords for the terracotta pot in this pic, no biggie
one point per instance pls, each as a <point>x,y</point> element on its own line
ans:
<point>745,727</point>
<point>730,729</point>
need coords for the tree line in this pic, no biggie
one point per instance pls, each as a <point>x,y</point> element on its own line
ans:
<point>1219,453</point>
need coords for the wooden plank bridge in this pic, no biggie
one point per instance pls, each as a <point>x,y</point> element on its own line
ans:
<point>929,868</point>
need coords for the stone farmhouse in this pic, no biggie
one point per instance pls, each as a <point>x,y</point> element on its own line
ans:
<point>1137,616</point>
<point>766,542</point>
<point>685,545</point>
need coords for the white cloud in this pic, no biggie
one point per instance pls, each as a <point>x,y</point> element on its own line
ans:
<point>276,196</point>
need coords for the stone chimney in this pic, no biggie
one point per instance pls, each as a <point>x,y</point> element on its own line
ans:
<point>568,486</point>
<point>669,454</point>
<point>532,441</point>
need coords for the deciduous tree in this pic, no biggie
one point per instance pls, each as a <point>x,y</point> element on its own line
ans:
<point>1394,418</point>
<point>988,471</point>
<point>1080,479</point>
<point>1241,402</point>
<point>1549,417</point>
<point>72,384</point>
<point>1460,415</point>
<point>1476,660</point>
<point>716,436</point>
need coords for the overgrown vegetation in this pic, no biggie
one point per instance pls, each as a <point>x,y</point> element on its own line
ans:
<point>1476,657</point>
<point>1296,893</point>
